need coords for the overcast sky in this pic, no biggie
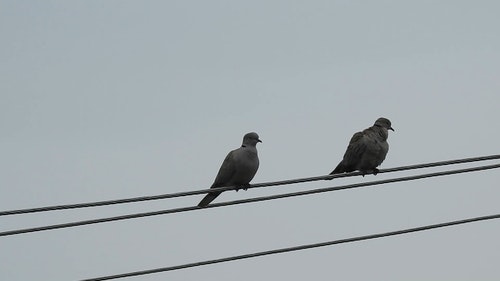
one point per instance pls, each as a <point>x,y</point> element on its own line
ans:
<point>115,99</point>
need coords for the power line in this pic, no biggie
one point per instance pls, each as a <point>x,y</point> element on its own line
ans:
<point>296,248</point>
<point>258,185</point>
<point>255,199</point>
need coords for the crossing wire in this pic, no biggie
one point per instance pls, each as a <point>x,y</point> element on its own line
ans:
<point>296,248</point>
<point>255,199</point>
<point>258,185</point>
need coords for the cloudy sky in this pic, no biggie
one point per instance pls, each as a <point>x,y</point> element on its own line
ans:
<point>114,99</point>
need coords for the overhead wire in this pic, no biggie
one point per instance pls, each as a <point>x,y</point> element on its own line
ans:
<point>295,248</point>
<point>249,200</point>
<point>258,185</point>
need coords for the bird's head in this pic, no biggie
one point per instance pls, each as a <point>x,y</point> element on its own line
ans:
<point>384,123</point>
<point>251,139</point>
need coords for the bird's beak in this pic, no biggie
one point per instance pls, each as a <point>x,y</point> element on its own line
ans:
<point>259,141</point>
<point>390,128</point>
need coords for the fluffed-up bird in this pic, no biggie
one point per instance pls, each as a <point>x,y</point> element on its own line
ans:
<point>367,149</point>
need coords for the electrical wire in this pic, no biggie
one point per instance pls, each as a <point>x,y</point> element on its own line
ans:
<point>296,248</point>
<point>255,199</point>
<point>258,185</point>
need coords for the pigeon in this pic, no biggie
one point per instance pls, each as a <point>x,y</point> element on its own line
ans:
<point>366,150</point>
<point>238,169</point>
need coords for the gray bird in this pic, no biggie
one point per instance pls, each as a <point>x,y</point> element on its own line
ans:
<point>238,169</point>
<point>367,149</point>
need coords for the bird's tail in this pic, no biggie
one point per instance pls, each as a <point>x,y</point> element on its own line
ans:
<point>208,198</point>
<point>339,169</point>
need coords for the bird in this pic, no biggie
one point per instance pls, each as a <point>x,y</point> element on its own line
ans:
<point>238,168</point>
<point>367,149</point>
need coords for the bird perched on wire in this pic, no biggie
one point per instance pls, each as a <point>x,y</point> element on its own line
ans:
<point>366,150</point>
<point>238,169</point>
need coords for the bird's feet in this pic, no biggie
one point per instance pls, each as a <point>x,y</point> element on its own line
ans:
<point>374,171</point>
<point>244,187</point>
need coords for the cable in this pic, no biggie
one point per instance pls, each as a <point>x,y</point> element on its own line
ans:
<point>258,185</point>
<point>256,199</point>
<point>296,248</point>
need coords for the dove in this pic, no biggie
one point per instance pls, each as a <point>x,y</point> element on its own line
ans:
<point>238,169</point>
<point>366,149</point>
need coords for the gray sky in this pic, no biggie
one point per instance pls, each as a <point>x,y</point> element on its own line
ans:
<point>115,99</point>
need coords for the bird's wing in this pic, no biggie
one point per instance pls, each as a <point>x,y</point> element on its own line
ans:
<point>224,176</point>
<point>226,171</point>
<point>355,150</point>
